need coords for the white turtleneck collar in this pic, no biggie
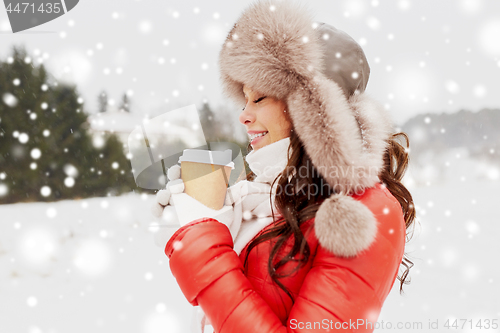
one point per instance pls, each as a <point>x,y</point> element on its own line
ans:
<point>269,161</point>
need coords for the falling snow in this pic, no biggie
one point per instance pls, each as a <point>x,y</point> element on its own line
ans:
<point>10,99</point>
<point>59,253</point>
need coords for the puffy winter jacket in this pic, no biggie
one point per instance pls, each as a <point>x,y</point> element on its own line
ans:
<point>331,293</point>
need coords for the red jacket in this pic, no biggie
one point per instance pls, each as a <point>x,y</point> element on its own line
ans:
<point>331,293</point>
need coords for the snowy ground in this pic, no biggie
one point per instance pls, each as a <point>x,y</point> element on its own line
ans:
<point>92,265</point>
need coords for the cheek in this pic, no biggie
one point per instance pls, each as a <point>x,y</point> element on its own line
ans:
<point>285,123</point>
<point>280,127</point>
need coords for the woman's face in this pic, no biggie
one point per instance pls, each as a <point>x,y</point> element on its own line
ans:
<point>264,115</point>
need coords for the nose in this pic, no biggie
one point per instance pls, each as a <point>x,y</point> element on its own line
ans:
<point>247,116</point>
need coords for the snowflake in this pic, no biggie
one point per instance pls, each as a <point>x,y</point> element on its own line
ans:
<point>35,153</point>
<point>51,212</point>
<point>9,99</point>
<point>177,245</point>
<point>160,307</point>
<point>3,190</point>
<point>479,91</point>
<point>45,191</point>
<point>23,138</point>
<point>92,257</point>
<point>69,182</point>
<point>70,170</point>
<point>32,301</point>
<point>373,23</point>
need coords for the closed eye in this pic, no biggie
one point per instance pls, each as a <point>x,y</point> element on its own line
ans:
<point>256,101</point>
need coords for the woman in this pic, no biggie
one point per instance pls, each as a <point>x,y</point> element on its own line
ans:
<point>329,253</point>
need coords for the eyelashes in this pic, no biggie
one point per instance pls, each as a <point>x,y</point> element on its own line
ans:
<point>256,101</point>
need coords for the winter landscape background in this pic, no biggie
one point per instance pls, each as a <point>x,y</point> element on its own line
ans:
<point>91,265</point>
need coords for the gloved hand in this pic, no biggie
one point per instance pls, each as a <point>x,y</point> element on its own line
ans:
<point>177,208</point>
<point>175,185</point>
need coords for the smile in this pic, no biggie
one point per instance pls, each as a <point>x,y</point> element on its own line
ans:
<point>253,136</point>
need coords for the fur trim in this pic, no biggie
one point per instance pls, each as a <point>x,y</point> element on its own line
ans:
<point>278,52</point>
<point>274,49</point>
<point>267,51</point>
<point>344,226</point>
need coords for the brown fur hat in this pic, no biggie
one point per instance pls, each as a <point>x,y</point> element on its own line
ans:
<point>321,73</point>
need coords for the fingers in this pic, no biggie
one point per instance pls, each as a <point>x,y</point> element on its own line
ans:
<point>163,196</point>
<point>170,215</point>
<point>176,186</point>
<point>156,209</point>
<point>174,172</point>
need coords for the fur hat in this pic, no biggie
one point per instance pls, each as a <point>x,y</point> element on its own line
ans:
<point>321,73</point>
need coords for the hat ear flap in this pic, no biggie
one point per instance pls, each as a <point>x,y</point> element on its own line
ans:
<point>344,226</point>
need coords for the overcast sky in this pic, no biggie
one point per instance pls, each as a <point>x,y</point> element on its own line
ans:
<point>425,56</point>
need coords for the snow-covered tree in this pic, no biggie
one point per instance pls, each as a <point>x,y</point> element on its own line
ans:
<point>46,153</point>
<point>125,103</point>
<point>102,101</point>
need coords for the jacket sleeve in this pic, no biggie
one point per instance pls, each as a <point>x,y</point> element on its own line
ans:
<point>210,274</point>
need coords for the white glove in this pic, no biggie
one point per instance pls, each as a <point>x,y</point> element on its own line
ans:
<point>189,209</point>
<point>167,226</point>
<point>163,197</point>
<point>178,208</point>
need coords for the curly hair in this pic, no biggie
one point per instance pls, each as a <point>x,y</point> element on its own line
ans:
<point>298,206</point>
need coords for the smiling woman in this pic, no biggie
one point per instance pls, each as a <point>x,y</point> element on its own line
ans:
<point>265,119</point>
<point>319,225</point>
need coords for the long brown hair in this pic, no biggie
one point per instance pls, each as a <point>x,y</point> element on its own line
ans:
<point>297,206</point>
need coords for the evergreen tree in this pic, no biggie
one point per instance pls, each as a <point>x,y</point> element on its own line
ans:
<point>46,152</point>
<point>102,101</point>
<point>211,127</point>
<point>125,104</point>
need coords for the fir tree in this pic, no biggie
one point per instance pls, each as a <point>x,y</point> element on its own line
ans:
<point>125,103</point>
<point>46,152</point>
<point>209,123</point>
<point>102,101</point>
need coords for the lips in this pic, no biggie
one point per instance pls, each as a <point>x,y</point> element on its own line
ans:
<point>254,134</point>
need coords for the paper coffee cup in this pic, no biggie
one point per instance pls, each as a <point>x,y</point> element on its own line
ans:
<point>206,175</point>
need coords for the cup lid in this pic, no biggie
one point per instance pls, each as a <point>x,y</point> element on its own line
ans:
<point>208,156</point>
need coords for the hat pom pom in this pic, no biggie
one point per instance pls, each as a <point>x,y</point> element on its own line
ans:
<point>344,226</point>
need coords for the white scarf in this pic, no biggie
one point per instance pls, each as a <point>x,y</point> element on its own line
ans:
<point>252,211</point>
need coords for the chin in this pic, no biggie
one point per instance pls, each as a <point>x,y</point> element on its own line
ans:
<point>261,144</point>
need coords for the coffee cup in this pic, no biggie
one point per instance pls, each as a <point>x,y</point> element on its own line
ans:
<point>205,174</point>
